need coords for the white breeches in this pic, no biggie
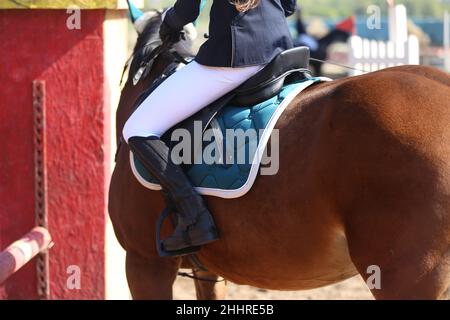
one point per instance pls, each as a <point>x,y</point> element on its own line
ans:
<point>182,95</point>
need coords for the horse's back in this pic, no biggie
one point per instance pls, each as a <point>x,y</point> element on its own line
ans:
<point>408,106</point>
<point>386,133</point>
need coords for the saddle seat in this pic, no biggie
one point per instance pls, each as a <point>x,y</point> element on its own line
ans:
<point>289,66</point>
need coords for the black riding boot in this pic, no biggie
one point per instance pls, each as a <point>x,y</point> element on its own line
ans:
<point>195,224</point>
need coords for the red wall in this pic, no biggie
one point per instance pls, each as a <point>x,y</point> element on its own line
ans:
<point>36,44</point>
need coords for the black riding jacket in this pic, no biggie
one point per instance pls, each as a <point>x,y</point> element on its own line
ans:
<point>238,39</point>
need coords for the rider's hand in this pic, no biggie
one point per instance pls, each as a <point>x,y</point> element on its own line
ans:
<point>168,34</point>
<point>171,30</point>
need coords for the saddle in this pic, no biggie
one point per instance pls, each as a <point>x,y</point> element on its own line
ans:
<point>257,104</point>
<point>288,67</point>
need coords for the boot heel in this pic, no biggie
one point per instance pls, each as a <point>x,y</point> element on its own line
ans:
<point>160,243</point>
<point>178,253</point>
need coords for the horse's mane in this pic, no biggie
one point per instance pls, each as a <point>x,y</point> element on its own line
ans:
<point>147,41</point>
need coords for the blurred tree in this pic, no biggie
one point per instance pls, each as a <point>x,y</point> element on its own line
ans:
<point>342,8</point>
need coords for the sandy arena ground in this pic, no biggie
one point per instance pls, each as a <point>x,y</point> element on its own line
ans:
<point>352,289</point>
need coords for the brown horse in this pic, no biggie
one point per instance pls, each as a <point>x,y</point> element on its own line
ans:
<point>364,181</point>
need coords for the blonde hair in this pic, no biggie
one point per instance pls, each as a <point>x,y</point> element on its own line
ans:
<point>245,5</point>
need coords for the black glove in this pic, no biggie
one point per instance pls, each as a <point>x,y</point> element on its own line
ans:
<point>170,35</point>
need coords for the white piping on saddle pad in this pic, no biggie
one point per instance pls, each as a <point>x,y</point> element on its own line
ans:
<point>233,194</point>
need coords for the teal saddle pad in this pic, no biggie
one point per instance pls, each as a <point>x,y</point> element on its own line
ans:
<point>233,177</point>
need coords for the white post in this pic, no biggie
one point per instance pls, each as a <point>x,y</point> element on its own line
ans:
<point>392,25</point>
<point>398,23</point>
<point>447,40</point>
<point>413,50</point>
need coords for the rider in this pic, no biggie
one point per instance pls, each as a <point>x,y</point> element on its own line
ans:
<point>244,35</point>
<point>303,38</point>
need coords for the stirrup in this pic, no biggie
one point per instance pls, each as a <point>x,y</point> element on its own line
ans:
<point>159,243</point>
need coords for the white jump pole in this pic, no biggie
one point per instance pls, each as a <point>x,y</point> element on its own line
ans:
<point>23,251</point>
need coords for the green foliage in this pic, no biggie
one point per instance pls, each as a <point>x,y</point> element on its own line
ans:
<point>344,8</point>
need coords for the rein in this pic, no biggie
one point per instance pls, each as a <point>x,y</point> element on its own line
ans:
<point>334,63</point>
<point>147,63</point>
